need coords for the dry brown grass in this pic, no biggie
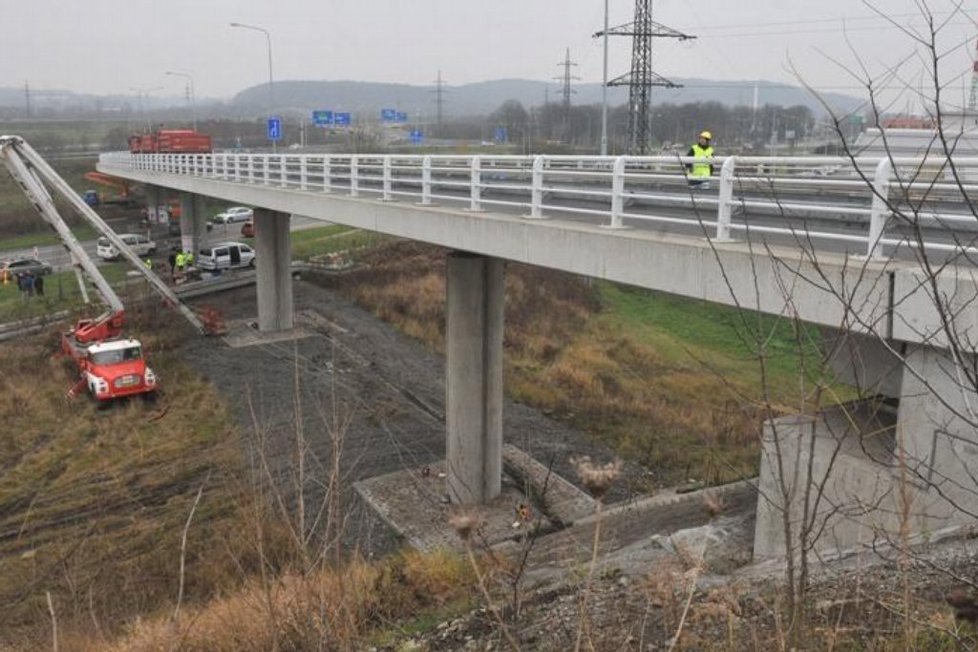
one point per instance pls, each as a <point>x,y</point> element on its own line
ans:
<point>92,502</point>
<point>325,610</point>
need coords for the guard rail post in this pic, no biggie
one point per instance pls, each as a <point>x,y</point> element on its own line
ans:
<point>387,179</point>
<point>880,209</point>
<point>536,196</point>
<point>725,199</point>
<point>475,183</point>
<point>283,170</point>
<point>617,192</point>
<point>303,173</point>
<point>354,176</point>
<point>426,181</point>
<point>265,165</point>
<point>327,175</point>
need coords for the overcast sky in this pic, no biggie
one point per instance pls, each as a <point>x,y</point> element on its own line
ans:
<point>114,46</point>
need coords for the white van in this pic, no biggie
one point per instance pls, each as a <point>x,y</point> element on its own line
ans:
<point>225,255</point>
<point>140,245</point>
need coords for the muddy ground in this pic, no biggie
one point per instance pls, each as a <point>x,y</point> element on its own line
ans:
<point>391,388</point>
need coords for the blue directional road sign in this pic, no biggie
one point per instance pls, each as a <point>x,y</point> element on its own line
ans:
<point>416,136</point>
<point>275,128</point>
<point>388,115</point>
<point>500,134</point>
<point>322,118</point>
<point>400,116</point>
<point>342,119</point>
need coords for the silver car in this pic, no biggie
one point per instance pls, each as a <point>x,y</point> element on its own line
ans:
<point>16,266</point>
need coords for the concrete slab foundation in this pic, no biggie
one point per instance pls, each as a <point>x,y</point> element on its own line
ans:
<point>414,503</point>
<point>242,333</point>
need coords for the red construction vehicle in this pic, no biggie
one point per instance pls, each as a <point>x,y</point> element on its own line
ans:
<point>110,364</point>
<point>171,141</point>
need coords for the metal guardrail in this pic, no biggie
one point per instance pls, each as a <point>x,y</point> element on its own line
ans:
<point>878,203</point>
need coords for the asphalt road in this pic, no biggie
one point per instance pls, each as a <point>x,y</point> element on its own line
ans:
<point>57,256</point>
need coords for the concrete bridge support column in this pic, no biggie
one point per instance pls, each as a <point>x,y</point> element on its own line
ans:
<point>192,226</point>
<point>273,247</point>
<point>154,198</point>
<point>474,376</point>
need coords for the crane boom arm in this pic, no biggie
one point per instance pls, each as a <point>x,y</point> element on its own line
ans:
<point>31,172</point>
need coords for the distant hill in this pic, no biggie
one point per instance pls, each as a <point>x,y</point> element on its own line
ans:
<point>484,97</point>
<point>480,98</point>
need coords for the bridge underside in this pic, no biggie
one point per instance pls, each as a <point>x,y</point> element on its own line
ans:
<point>886,313</point>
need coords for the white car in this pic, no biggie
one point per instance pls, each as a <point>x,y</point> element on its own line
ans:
<point>234,214</point>
<point>140,245</point>
<point>225,255</point>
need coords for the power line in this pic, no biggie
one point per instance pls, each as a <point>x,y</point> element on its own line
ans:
<point>885,19</point>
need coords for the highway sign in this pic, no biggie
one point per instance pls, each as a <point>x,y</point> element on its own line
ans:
<point>500,134</point>
<point>416,136</point>
<point>400,116</point>
<point>275,128</point>
<point>388,115</point>
<point>322,118</point>
<point>342,119</point>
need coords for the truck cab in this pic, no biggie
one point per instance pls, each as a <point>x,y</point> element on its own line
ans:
<point>116,368</point>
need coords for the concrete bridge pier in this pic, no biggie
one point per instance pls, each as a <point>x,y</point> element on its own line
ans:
<point>474,376</point>
<point>273,263</point>
<point>154,198</point>
<point>191,222</point>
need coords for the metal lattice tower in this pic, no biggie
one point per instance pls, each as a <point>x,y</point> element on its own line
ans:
<point>566,79</point>
<point>642,78</point>
<point>439,92</point>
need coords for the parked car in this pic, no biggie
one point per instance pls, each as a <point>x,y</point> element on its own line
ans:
<point>248,230</point>
<point>140,245</point>
<point>225,255</point>
<point>234,214</point>
<point>14,266</point>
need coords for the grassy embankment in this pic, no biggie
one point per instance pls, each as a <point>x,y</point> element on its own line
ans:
<point>93,502</point>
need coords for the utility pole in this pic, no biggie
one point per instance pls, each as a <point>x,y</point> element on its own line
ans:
<point>566,92</point>
<point>641,78</point>
<point>27,98</point>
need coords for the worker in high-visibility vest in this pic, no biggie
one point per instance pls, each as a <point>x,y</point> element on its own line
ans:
<point>699,173</point>
<point>188,258</point>
<point>149,264</point>
<point>181,261</point>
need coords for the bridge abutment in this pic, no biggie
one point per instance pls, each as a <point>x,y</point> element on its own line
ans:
<point>874,471</point>
<point>273,263</point>
<point>474,376</point>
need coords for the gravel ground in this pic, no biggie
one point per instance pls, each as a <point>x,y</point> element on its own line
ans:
<point>390,387</point>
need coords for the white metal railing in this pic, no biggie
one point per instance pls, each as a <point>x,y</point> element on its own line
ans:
<point>870,201</point>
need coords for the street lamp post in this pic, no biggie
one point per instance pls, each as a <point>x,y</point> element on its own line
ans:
<point>271,78</point>
<point>193,97</point>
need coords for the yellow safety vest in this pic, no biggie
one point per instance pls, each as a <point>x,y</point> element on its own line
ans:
<point>701,169</point>
<point>181,260</point>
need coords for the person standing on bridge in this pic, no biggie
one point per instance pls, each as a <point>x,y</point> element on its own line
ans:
<point>699,173</point>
